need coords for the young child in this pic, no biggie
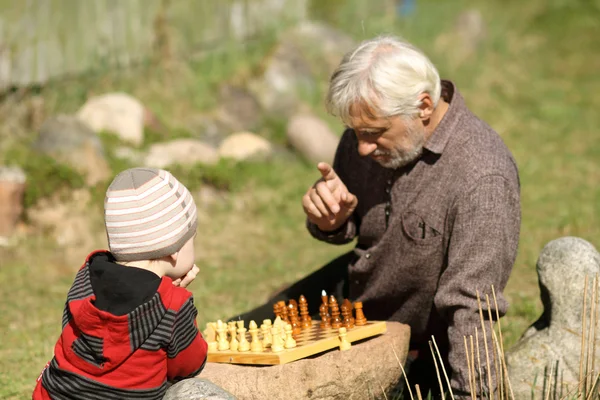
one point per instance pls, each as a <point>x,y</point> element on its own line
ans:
<point>129,326</point>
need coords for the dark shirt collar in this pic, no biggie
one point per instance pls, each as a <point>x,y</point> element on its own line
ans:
<point>442,133</point>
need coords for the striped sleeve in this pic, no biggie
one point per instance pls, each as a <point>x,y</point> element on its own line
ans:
<point>187,351</point>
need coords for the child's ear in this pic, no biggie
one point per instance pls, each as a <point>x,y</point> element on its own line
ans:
<point>173,257</point>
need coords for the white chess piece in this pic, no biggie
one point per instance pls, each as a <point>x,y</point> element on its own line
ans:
<point>290,343</point>
<point>344,343</point>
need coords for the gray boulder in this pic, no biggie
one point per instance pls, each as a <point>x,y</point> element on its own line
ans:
<point>69,140</point>
<point>362,372</point>
<point>553,342</point>
<point>197,389</point>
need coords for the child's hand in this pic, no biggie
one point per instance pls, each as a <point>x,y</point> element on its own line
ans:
<point>187,278</point>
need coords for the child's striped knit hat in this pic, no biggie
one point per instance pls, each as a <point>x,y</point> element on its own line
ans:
<point>148,215</point>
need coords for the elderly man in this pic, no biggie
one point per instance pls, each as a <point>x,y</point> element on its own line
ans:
<point>431,194</point>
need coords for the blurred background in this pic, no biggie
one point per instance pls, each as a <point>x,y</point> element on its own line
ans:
<point>228,95</point>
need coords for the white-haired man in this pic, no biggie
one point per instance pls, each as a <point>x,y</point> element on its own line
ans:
<point>431,194</point>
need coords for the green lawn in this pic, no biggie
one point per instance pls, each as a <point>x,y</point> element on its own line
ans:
<point>535,80</point>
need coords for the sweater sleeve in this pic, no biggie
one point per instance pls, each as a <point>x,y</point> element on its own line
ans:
<point>481,252</point>
<point>187,352</point>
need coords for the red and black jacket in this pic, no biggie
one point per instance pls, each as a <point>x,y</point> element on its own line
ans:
<point>126,333</point>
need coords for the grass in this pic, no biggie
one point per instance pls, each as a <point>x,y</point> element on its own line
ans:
<point>534,79</point>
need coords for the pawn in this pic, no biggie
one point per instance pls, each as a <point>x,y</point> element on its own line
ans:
<point>327,321</point>
<point>233,342</point>
<point>323,313</point>
<point>255,345</point>
<point>284,312</point>
<point>244,344</point>
<point>277,345</point>
<point>290,343</point>
<point>360,316</point>
<point>344,343</point>
<point>346,318</point>
<point>348,304</point>
<point>223,344</point>
<point>210,335</point>
<point>336,321</point>
<point>266,332</point>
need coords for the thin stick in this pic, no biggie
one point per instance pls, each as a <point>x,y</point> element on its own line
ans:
<point>437,370</point>
<point>473,367</point>
<point>504,369</point>
<point>469,367</point>
<point>443,368</point>
<point>582,336</point>
<point>418,389</point>
<point>487,354</point>
<point>593,388</point>
<point>499,393</point>
<point>506,377</point>
<point>479,364</point>
<point>550,382</point>
<point>403,373</point>
<point>594,318</point>
<point>591,334</point>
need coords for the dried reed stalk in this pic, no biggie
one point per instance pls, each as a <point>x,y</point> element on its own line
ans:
<point>443,367</point>
<point>487,354</point>
<point>505,369</point>
<point>437,370</point>
<point>403,373</point>
<point>473,367</point>
<point>550,382</point>
<point>469,367</point>
<point>581,375</point>
<point>589,396</point>
<point>591,335</point>
<point>418,389</point>
<point>479,364</point>
<point>489,309</point>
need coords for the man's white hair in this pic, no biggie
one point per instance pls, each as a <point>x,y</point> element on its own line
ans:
<point>387,75</point>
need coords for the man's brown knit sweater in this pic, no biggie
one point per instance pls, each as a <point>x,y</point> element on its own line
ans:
<point>429,235</point>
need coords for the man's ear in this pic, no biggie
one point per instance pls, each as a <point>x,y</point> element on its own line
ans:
<point>425,107</point>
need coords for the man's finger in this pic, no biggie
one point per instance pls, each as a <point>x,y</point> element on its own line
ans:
<point>309,207</point>
<point>327,197</point>
<point>327,171</point>
<point>318,202</point>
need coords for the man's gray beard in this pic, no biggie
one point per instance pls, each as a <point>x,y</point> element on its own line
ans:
<point>401,160</point>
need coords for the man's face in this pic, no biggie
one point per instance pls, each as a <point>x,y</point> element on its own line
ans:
<point>391,141</point>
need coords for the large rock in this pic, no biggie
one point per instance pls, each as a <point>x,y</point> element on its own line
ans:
<point>182,152</point>
<point>197,389</point>
<point>207,127</point>
<point>357,373</point>
<point>306,54</point>
<point>118,113</point>
<point>12,188</point>
<point>238,109</point>
<point>312,137</point>
<point>68,140</point>
<point>245,145</point>
<point>555,338</point>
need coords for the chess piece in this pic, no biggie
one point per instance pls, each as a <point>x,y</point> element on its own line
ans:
<point>244,344</point>
<point>255,345</point>
<point>233,342</point>
<point>277,345</point>
<point>336,321</point>
<point>323,313</point>
<point>294,321</point>
<point>290,343</point>
<point>346,321</point>
<point>324,298</point>
<point>305,321</point>
<point>344,343</point>
<point>348,304</point>
<point>360,316</point>
<point>223,344</point>
<point>266,331</point>
<point>210,335</point>
<point>284,312</point>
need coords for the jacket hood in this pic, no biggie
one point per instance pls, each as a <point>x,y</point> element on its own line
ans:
<point>111,310</point>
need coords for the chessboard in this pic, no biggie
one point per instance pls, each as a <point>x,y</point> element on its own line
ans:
<point>292,335</point>
<point>308,343</point>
